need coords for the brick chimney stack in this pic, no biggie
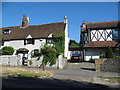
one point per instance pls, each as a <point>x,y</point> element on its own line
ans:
<point>25,22</point>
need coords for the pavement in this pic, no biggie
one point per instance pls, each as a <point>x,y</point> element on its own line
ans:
<point>74,75</point>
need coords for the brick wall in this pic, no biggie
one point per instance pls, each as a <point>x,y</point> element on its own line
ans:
<point>107,65</point>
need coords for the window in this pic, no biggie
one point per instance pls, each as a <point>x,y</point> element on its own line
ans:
<point>29,41</point>
<point>35,53</point>
<point>115,34</point>
<point>50,41</point>
<point>7,31</point>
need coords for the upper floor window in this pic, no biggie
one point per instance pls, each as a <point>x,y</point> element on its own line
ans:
<point>29,41</point>
<point>50,41</point>
<point>115,34</point>
<point>7,31</point>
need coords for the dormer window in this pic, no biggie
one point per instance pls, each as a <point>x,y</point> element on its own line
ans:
<point>29,41</point>
<point>7,31</point>
<point>50,40</point>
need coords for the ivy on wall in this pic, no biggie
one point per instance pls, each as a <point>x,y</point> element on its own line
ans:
<point>59,43</point>
<point>51,52</point>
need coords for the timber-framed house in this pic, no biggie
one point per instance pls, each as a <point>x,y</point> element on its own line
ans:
<point>96,37</point>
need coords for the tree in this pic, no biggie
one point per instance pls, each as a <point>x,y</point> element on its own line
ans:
<point>74,44</point>
<point>49,55</point>
<point>109,53</point>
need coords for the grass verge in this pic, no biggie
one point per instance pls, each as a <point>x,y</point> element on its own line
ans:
<point>25,73</point>
<point>110,78</point>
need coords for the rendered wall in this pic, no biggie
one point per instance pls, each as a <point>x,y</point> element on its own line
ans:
<point>93,53</point>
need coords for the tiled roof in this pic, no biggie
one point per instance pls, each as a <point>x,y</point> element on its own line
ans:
<point>101,25</point>
<point>102,44</point>
<point>36,31</point>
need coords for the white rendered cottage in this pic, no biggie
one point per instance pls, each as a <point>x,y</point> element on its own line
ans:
<point>97,36</point>
<point>26,38</point>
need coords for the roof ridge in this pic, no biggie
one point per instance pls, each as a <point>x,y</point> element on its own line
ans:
<point>102,22</point>
<point>48,24</point>
<point>34,25</point>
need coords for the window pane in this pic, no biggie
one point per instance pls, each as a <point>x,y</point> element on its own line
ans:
<point>115,34</point>
<point>30,41</point>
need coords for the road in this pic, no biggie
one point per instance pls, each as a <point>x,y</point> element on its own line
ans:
<point>74,75</point>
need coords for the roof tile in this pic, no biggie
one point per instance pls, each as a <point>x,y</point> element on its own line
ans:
<point>36,31</point>
<point>102,44</point>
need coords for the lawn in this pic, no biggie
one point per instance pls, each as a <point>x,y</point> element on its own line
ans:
<point>25,73</point>
<point>110,78</point>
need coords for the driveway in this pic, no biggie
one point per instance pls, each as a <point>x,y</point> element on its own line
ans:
<point>80,72</point>
<point>78,75</point>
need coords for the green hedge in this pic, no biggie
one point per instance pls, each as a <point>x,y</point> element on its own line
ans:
<point>7,50</point>
<point>109,53</point>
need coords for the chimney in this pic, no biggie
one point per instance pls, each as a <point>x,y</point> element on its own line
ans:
<point>65,19</point>
<point>25,21</point>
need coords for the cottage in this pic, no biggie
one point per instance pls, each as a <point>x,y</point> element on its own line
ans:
<point>27,38</point>
<point>96,37</point>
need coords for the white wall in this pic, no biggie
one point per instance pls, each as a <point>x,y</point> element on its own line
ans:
<point>16,44</point>
<point>104,34</point>
<point>93,53</point>
<point>67,40</point>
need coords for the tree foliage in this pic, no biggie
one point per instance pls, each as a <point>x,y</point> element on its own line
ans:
<point>49,54</point>
<point>74,44</point>
<point>109,53</point>
<point>7,50</point>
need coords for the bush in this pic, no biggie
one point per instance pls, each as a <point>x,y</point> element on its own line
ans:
<point>109,53</point>
<point>7,50</point>
<point>30,62</point>
<point>102,56</point>
<point>92,60</point>
<point>117,57</point>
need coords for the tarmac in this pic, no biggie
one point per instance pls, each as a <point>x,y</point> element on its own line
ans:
<point>80,75</point>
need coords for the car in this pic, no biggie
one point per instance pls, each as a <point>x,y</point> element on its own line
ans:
<point>76,58</point>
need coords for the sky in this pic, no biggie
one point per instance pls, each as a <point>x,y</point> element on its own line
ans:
<point>52,12</point>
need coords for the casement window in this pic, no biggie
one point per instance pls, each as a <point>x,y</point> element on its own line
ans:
<point>50,41</point>
<point>29,41</point>
<point>7,31</point>
<point>115,34</point>
<point>35,53</point>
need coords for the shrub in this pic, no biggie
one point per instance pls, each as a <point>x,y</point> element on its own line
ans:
<point>102,56</point>
<point>30,62</point>
<point>109,53</point>
<point>117,57</point>
<point>7,50</point>
<point>92,60</point>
